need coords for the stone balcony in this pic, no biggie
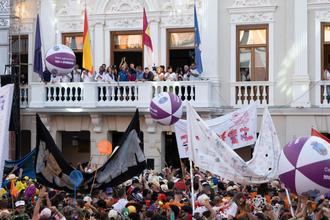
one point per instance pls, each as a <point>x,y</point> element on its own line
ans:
<point>109,96</point>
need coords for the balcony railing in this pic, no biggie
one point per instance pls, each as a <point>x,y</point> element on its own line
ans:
<point>24,96</point>
<point>243,93</point>
<point>323,94</point>
<point>122,94</point>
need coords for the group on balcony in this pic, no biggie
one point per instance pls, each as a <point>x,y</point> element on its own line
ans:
<point>126,73</point>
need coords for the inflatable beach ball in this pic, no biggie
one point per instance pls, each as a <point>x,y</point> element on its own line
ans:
<point>60,59</point>
<point>166,108</point>
<point>304,166</point>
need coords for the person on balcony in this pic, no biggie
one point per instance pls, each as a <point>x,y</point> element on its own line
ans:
<point>86,76</point>
<point>76,74</point>
<point>327,77</point>
<point>170,75</point>
<point>67,78</point>
<point>245,74</point>
<point>131,75</point>
<point>159,75</point>
<point>194,74</point>
<point>99,76</point>
<point>186,72</point>
<point>123,74</point>
<point>55,78</point>
<point>179,73</point>
<point>148,75</point>
<point>139,73</point>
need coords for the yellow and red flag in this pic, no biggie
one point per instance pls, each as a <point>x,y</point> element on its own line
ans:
<point>87,50</point>
<point>147,43</point>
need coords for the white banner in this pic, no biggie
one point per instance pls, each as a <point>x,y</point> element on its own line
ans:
<point>6,100</point>
<point>210,153</point>
<point>238,129</point>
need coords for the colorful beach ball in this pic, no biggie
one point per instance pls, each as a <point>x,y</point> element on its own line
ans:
<point>166,108</point>
<point>60,59</point>
<point>304,166</point>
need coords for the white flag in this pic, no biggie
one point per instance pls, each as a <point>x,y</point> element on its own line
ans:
<point>238,129</point>
<point>210,153</point>
<point>6,100</point>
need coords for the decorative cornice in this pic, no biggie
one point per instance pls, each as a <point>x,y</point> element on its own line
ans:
<point>252,18</point>
<point>25,26</point>
<point>323,15</point>
<point>252,11</point>
<point>253,3</point>
<point>115,6</point>
<point>97,122</point>
<point>318,4</point>
<point>177,21</point>
<point>124,23</point>
<point>4,7</point>
<point>4,22</point>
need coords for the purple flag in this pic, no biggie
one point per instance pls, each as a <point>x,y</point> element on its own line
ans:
<point>37,65</point>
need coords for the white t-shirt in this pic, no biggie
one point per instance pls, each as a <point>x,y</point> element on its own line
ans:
<point>66,78</point>
<point>108,78</point>
<point>327,74</point>
<point>120,205</point>
<point>193,78</point>
<point>232,210</point>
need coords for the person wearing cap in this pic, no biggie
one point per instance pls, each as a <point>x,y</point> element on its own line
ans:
<point>20,212</point>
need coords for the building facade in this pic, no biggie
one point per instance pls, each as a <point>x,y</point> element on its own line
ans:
<point>270,51</point>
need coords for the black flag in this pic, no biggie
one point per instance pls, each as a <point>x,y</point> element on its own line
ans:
<point>126,161</point>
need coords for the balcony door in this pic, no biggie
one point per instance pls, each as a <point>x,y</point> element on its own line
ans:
<point>128,45</point>
<point>76,43</point>
<point>180,47</point>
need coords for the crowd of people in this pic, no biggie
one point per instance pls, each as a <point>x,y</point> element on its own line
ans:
<point>164,195</point>
<point>127,73</point>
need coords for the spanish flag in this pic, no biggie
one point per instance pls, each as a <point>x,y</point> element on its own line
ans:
<point>87,51</point>
<point>147,43</point>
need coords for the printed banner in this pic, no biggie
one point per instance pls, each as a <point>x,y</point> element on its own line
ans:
<point>238,129</point>
<point>6,100</point>
<point>210,153</point>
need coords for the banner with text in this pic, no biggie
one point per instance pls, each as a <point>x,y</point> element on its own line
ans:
<point>6,100</point>
<point>238,129</point>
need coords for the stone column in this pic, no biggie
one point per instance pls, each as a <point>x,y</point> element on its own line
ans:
<point>300,77</point>
<point>98,46</point>
<point>155,37</point>
<point>153,143</point>
<point>47,23</point>
<point>208,20</point>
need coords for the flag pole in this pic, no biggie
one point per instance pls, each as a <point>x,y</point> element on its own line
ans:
<point>192,186</point>
<point>289,200</point>
<point>190,158</point>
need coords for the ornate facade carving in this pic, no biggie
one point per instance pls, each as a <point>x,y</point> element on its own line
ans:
<point>253,3</point>
<point>70,26</point>
<point>252,18</point>
<point>24,27</point>
<point>323,15</point>
<point>4,7</point>
<point>4,22</point>
<point>184,20</point>
<point>70,7</point>
<point>125,23</point>
<point>96,121</point>
<point>116,6</point>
